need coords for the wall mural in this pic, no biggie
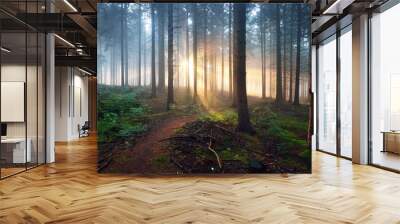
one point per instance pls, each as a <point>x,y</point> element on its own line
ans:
<point>189,88</point>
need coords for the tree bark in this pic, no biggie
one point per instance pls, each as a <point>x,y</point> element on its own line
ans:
<point>170,96</point>
<point>279,96</point>
<point>262,42</point>
<point>153,53</point>
<point>296,100</point>
<point>126,56</point>
<point>284,72</point>
<point>161,50</point>
<point>271,58</point>
<point>234,83</point>
<point>187,51</point>
<point>195,27</point>
<point>230,51</point>
<point>291,60</point>
<point>140,47</point>
<point>239,28</point>
<point>222,52</point>
<point>122,50</point>
<point>205,54</point>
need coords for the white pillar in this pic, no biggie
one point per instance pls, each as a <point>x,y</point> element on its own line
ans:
<point>360,90</point>
<point>50,99</point>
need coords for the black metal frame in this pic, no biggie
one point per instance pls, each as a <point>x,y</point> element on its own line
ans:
<point>337,34</point>
<point>44,80</point>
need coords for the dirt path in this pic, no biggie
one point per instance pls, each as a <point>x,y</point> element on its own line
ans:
<point>138,159</point>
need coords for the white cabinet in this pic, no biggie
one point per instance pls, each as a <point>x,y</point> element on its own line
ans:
<point>19,155</point>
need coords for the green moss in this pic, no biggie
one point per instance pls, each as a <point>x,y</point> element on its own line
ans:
<point>228,116</point>
<point>234,154</point>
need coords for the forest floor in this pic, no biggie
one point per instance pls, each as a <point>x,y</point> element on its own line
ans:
<point>145,138</point>
<point>138,159</point>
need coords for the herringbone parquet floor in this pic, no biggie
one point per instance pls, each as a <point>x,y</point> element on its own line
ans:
<point>70,191</point>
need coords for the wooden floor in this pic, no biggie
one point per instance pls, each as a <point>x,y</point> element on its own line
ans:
<point>70,191</point>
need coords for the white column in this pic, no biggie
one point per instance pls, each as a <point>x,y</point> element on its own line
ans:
<point>360,89</point>
<point>50,99</point>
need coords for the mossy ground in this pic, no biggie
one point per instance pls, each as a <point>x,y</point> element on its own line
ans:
<point>279,144</point>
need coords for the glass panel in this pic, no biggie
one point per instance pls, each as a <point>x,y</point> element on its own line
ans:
<point>314,78</point>
<point>327,96</point>
<point>31,98</point>
<point>346,93</point>
<point>41,99</point>
<point>385,84</point>
<point>23,91</point>
<point>13,80</point>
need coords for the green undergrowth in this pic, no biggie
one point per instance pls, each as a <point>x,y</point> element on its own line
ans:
<point>286,133</point>
<point>278,145</point>
<point>120,113</point>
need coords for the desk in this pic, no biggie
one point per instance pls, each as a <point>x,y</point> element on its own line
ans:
<point>391,141</point>
<point>15,148</point>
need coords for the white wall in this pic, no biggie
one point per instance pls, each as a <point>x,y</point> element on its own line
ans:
<point>12,73</point>
<point>314,90</point>
<point>16,73</point>
<point>71,102</point>
<point>33,126</point>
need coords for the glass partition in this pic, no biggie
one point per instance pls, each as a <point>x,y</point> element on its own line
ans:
<point>13,94</point>
<point>31,99</point>
<point>346,92</point>
<point>385,89</point>
<point>327,96</point>
<point>41,97</point>
<point>22,92</point>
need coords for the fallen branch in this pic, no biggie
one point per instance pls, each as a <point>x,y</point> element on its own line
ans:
<point>215,153</point>
<point>178,164</point>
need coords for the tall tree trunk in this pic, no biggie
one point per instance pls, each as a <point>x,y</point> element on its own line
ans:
<point>187,51</point>
<point>270,59</point>
<point>170,95</point>
<point>126,56</point>
<point>205,54</point>
<point>112,67</point>
<point>234,83</point>
<point>122,51</point>
<point>161,50</point>
<point>126,47</point>
<point>195,27</point>
<point>296,100</point>
<point>178,58</point>
<point>230,51</point>
<point>153,53</point>
<point>279,95</point>
<point>262,42</point>
<point>239,43</point>
<point>140,47</point>
<point>144,50</point>
<point>284,72</point>
<point>222,51</point>
<point>291,59</point>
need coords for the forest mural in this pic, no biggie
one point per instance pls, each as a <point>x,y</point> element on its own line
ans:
<point>189,88</point>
